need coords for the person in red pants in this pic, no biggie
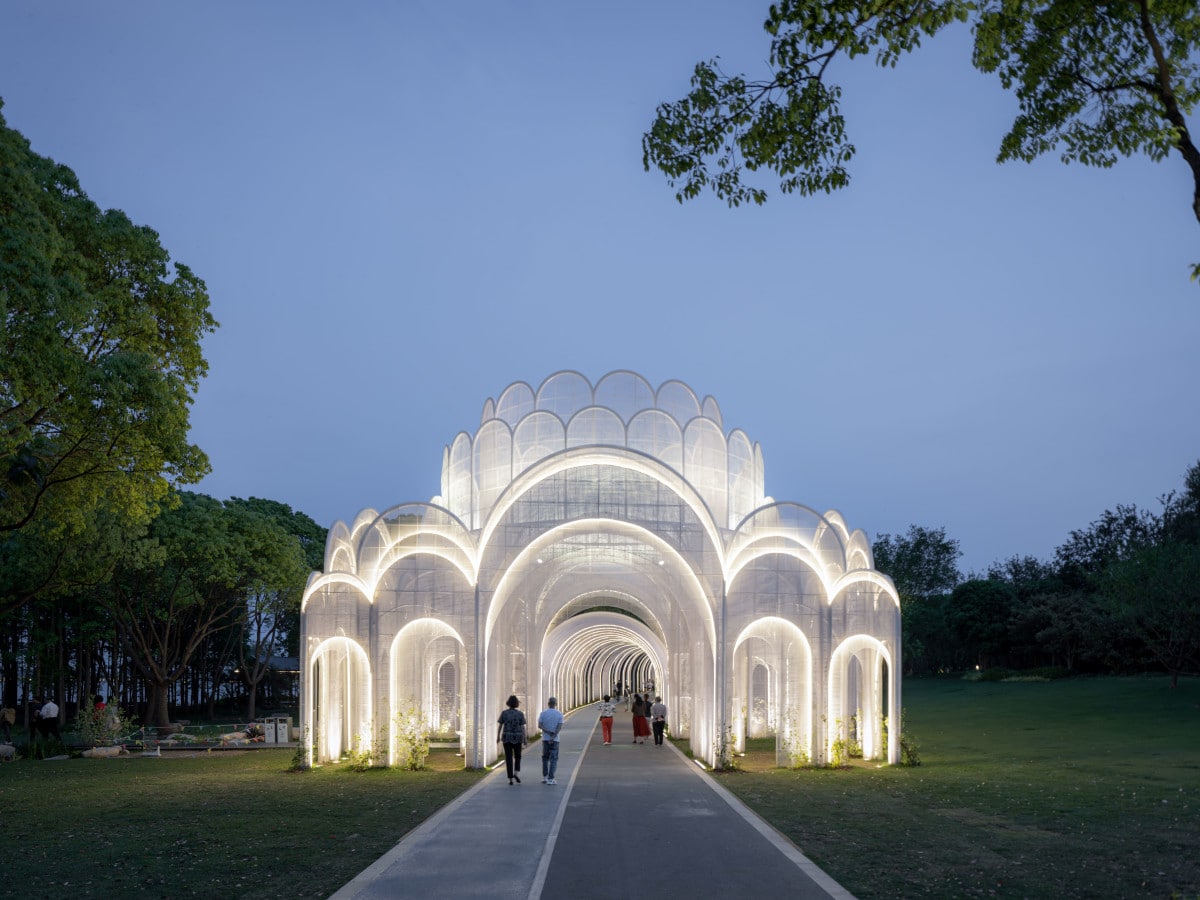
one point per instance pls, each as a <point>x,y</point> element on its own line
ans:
<point>607,710</point>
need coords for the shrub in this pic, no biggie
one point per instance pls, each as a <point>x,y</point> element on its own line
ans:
<point>1050,673</point>
<point>412,738</point>
<point>98,727</point>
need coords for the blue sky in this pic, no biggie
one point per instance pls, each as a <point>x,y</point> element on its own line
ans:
<point>401,208</point>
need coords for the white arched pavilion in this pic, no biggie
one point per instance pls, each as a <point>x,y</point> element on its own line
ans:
<point>588,535</point>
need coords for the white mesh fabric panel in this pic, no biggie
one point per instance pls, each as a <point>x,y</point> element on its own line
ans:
<point>625,393</point>
<point>538,435</point>
<point>595,427</point>
<point>564,394</point>
<point>742,499</point>
<point>458,497</point>
<point>678,401</point>
<point>709,409</point>
<point>654,432</point>
<point>705,464</point>
<point>493,466</point>
<point>515,403</point>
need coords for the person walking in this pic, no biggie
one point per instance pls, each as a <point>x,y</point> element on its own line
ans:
<point>48,720</point>
<point>550,722</point>
<point>511,733</point>
<point>607,710</point>
<point>640,729</point>
<point>658,720</point>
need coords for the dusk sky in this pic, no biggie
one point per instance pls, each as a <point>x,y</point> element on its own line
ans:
<point>401,208</point>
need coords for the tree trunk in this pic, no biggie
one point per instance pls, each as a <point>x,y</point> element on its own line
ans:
<point>252,690</point>
<point>157,707</point>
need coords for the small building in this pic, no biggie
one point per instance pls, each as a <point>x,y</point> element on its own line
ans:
<point>586,536</point>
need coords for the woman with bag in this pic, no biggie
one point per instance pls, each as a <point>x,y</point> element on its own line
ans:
<point>511,733</point>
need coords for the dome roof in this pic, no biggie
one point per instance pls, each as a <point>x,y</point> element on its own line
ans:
<point>671,423</point>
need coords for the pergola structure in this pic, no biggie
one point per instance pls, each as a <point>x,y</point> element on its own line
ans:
<point>589,535</point>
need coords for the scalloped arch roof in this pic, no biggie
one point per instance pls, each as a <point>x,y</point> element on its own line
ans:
<point>672,423</point>
<point>624,392</point>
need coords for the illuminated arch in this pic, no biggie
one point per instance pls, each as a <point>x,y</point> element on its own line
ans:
<point>857,696</point>
<point>339,705</point>
<point>782,706</point>
<point>419,653</point>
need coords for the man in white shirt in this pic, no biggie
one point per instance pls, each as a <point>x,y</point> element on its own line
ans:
<point>550,722</point>
<point>658,719</point>
<point>48,719</point>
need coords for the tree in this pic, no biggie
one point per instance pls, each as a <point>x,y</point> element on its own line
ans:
<point>1095,80</point>
<point>979,614</point>
<point>1066,626</point>
<point>190,578</point>
<point>1181,511</point>
<point>922,563</point>
<point>99,356</point>
<point>1156,592</point>
<point>1115,536</point>
<point>273,602</point>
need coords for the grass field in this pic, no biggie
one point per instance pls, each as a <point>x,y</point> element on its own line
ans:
<point>222,824</point>
<point>1076,788</point>
<point>1073,788</point>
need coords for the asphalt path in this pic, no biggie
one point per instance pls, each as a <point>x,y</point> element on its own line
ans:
<point>623,820</point>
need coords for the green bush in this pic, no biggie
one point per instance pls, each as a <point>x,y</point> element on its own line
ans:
<point>994,674</point>
<point>412,738</point>
<point>1050,673</point>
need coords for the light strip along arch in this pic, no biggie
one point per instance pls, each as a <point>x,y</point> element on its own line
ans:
<point>687,577</point>
<point>796,551</point>
<point>622,600</point>
<point>590,636</point>
<point>871,576</point>
<point>319,580</point>
<point>617,457</point>
<point>397,541</point>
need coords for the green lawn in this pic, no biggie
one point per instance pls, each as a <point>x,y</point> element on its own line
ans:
<point>1077,788</point>
<point>1074,788</point>
<point>222,824</point>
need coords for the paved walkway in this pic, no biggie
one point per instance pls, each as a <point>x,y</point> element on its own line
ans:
<point>624,820</point>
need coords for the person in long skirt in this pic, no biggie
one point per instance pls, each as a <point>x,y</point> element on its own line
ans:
<point>640,731</point>
<point>511,732</point>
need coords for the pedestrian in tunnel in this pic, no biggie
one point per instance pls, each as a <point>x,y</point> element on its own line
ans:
<point>640,729</point>
<point>607,710</point>
<point>511,732</point>
<point>658,719</point>
<point>550,722</point>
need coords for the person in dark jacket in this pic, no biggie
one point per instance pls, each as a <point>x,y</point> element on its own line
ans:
<point>511,733</point>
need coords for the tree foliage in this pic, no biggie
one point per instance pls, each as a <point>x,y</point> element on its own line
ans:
<point>273,603</point>
<point>923,564</point>
<point>1156,594</point>
<point>99,356</point>
<point>979,612</point>
<point>1116,535</point>
<point>200,568</point>
<point>1095,80</point>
